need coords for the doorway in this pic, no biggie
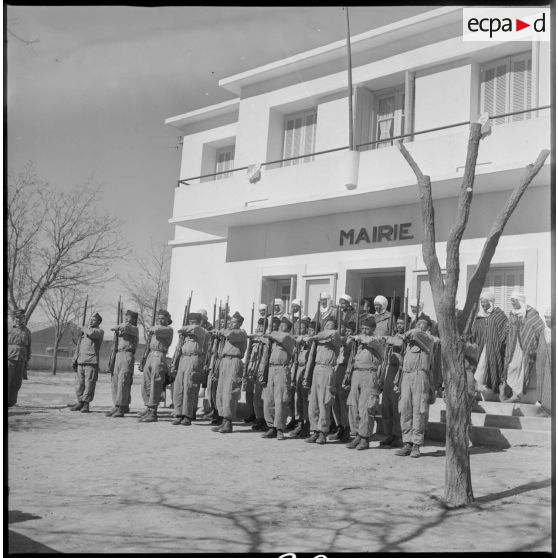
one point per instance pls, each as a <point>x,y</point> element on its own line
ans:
<point>369,283</point>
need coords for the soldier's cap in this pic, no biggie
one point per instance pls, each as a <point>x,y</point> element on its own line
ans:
<point>285,320</point>
<point>238,317</point>
<point>18,312</point>
<point>305,320</point>
<point>262,306</point>
<point>369,322</point>
<point>203,312</point>
<point>312,324</point>
<point>297,301</point>
<point>425,318</point>
<point>331,319</point>
<point>195,316</point>
<point>276,320</point>
<point>165,314</point>
<point>351,325</point>
<point>132,314</point>
<point>98,316</point>
<point>261,321</point>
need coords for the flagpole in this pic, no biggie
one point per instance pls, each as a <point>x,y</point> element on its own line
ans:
<point>350,80</point>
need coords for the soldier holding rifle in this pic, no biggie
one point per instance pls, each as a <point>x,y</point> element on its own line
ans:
<point>365,390</point>
<point>190,369</point>
<point>123,374</point>
<point>234,345</point>
<point>278,389</point>
<point>253,380</point>
<point>323,388</point>
<point>86,362</point>
<point>305,327</point>
<point>156,369</point>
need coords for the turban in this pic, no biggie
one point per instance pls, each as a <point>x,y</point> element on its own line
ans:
<point>262,307</point>
<point>346,297</point>
<point>413,302</point>
<point>325,295</point>
<point>382,301</point>
<point>488,295</point>
<point>518,296</point>
<point>297,301</point>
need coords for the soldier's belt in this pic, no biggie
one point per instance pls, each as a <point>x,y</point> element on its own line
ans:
<point>367,369</point>
<point>192,354</point>
<point>163,353</point>
<point>278,364</point>
<point>415,370</point>
<point>126,351</point>
<point>231,356</point>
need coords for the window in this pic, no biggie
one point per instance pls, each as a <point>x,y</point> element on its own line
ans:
<point>390,117</point>
<point>299,136</point>
<point>224,161</point>
<point>503,281</point>
<point>506,87</point>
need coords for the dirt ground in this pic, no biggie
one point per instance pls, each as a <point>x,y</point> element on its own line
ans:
<point>88,483</point>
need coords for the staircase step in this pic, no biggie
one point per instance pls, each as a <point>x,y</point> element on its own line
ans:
<point>511,409</point>
<point>506,421</point>
<point>495,437</point>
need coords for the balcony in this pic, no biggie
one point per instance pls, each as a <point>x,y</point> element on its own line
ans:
<point>383,178</point>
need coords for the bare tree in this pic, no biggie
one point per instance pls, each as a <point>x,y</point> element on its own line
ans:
<point>64,306</point>
<point>56,239</point>
<point>149,278</point>
<point>453,333</point>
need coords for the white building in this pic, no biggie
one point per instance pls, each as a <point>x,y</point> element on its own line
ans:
<point>303,226</point>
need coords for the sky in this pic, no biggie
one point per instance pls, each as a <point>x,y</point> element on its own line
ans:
<point>89,88</point>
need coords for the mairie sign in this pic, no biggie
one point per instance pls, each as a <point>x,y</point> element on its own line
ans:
<point>376,233</point>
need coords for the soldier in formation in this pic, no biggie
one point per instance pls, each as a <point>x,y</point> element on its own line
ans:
<point>19,353</point>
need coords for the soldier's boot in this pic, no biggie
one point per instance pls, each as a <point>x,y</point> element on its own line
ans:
<point>346,435</point>
<point>313,438</point>
<point>77,406</point>
<point>271,433</point>
<point>321,438</point>
<point>260,425</point>
<point>226,428</point>
<point>193,415</point>
<point>291,425</point>
<point>249,419</point>
<point>111,412</point>
<point>337,435</point>
<point>125,409</point>
<point>388,441</point>
<point>211,414</point>
<point>119,413</point>
<point>405,450</point>
<point>297,432</point>
<point>354,443</point>
<point>151,416</point>
<point>363,444</point>
<point>186,421</point>
<point>415,452</point>
<point>280,435</point>
<point>177,420</point>
<point>84,408</point>
<point>144,413</point>
<point>218,421</point>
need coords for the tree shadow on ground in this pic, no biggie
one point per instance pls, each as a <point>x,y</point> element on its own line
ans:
<point>16,516</point>
<point>21,544</point>
<point>514,491</point>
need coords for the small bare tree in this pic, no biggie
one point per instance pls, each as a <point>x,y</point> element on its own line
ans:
<point>64,306</point>
<point>56,239</point>
<point>150,276</point>
<point>453,331</point>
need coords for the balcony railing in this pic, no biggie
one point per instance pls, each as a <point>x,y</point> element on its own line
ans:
<point>359,147</point>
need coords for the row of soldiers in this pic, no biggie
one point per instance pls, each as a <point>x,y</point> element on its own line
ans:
<point>337,363</point>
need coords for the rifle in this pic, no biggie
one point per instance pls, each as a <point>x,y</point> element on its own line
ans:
<point>311,362</point>
<point>346,384</point>
<point>399,375</point>
<point>74,363</point>
<point>267,352</point>
<point>252,320</point>
<point>112,358</point>
<point>392,317</point>
<point>149,335</point>
<point>181,337</point>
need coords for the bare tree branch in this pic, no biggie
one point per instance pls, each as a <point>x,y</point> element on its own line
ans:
<point>477,280</point>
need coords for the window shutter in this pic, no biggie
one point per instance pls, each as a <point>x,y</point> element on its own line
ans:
<point>495,89</point>
<point>224,161</point>
<point>503,281</point>
<point>520,85</point>
<point>299,136</point>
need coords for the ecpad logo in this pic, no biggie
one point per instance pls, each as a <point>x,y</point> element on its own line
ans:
<point>506,24</point>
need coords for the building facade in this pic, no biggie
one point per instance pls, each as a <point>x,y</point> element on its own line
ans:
<point>272,203</point>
